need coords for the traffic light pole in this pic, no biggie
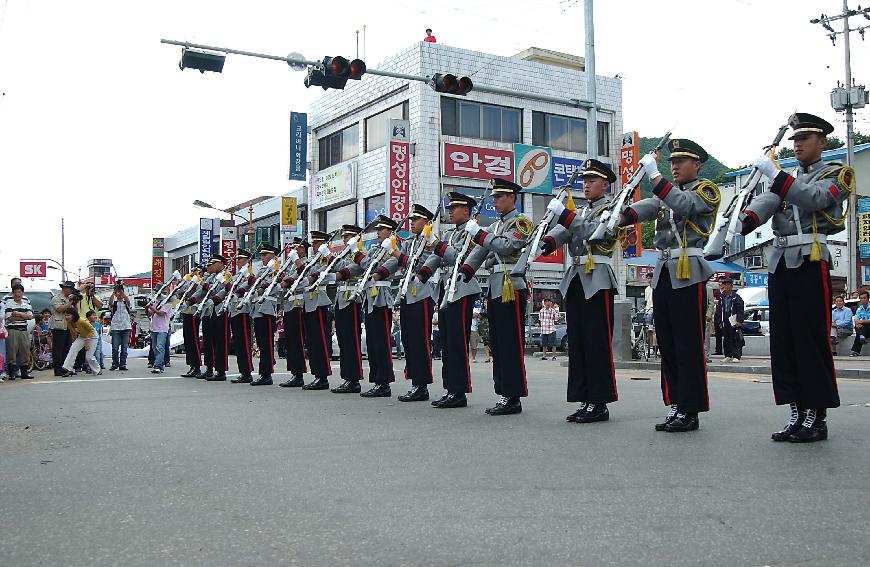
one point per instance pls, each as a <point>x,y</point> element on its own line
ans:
<point>298,62</point>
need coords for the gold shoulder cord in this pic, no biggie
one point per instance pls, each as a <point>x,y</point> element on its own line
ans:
<point>713,199</point>
<point>846,180</point>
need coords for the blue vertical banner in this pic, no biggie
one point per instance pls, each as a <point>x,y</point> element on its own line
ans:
<point>298,145</point>
<point>206,234</point>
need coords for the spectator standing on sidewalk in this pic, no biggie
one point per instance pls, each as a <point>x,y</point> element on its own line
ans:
<point>61,340</point>
<point>548,316</point>
<point>841,321</point>
<point>3,334</point>
<point>397,333</point>
<point>483,329</point>
<point>159,327</point>
<point>98,327</point>
<point>85,339</point>
<point>729,318</point>
<point>282,337</point>
<point>122,322</point>
<point>862,323</point>
<point>474,336</point>
<point>436,335</point>
<point>18,311</point>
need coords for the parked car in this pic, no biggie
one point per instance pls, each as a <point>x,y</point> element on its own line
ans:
<point>756,320</point>
<point>533,331</point>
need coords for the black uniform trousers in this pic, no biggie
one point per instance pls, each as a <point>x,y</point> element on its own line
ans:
<point>378,324</point>
<point>801,363</point>
<point>317,341</point>
<point>241,327</point>
<point>207,342</point>
<point>294,340</point>
<point>60,343</point>
<point>507,336</point>
<point>455,321</point>
<point>190,330</point>
<point>347,332</point>
<point>591,374</point>
<point>679,323</point>
<point>264,330</point>
<point>220,337</point>
<point>416,322</point>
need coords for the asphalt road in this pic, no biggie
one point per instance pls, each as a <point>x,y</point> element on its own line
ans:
<point>173,471</point>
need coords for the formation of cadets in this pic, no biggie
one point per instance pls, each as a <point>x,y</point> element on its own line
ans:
<point>429,268</point>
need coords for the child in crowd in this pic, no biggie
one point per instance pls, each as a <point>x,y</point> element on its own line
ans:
<point>98,327</point>
<point>85,337</point>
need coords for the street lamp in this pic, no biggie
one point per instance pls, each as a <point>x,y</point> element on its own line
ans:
<point>249,220</point>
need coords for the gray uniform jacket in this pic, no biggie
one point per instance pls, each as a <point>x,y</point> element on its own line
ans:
<point>417,290</point>
<point>498,249</point>
<point>444,256</point>
<point>216,293</point>
<point>244,280</point>
<point>817,192</point>
<point>265,305</point>
<point>344,288</point>
<point>200,296</point>
<point>314,297</point>
<point>186,308</point>
<point>575,228</point>
<point>689,209</point>
<point>383,297</point>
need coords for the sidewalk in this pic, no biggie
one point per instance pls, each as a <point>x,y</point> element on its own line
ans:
<point>847,367</point>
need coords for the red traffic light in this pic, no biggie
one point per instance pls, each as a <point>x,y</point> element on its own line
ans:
<point>341,68</point>
<point>464,86</point>
<point>357,69</point>
<point>449,84</point>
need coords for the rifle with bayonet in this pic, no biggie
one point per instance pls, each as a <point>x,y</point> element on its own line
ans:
<point>244,272</point>
<point>337,258</point>
<point>453,279</point>
<point>610,216</point>
<point>249,295</point>
<point>374,259</point>
<point>726,225</point>
<point>309,265</point>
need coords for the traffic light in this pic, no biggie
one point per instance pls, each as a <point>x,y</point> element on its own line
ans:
<point>201,60</point>
<point>334,72</point>
<point>449,84</point>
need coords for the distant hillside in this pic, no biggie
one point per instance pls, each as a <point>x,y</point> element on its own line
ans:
<point>710,169</point>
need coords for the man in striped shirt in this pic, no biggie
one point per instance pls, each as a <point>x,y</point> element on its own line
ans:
<point>18,312</point>
<point>548,316</point>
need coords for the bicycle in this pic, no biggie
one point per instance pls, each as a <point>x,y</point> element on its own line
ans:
<point>40,352</point>
<point>639,335</point>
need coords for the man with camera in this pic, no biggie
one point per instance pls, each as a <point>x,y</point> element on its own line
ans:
<point>60,336</point>
<point>85,300</point>
<point>122,322</point>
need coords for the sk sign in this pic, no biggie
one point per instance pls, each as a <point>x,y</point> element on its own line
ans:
<point>33,269</point>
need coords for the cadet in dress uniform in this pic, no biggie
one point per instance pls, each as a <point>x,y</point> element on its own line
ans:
<point>415,311</point>
<point>240,317</point>
<point>378,302</point>
<point>588,288</point>
<point>348,314</point>
<point>199,300</point>
<point>316,302</point>
<point>685,214</point>
<point>264,314</point>
<point>218,322</point>
<point>805,207</point>
<point>454,319</point>
<point>497,250</point>
<point>190,323</point>
<point>293,308</point>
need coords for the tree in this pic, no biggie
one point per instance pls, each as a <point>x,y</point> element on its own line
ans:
<point>833,143</point>
<point>784,152</point>
<point>648,231</point>
<point>861,138</point>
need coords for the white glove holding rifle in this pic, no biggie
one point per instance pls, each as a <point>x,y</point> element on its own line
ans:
<point>323,250</point>
<point>766,166</point>
<point>472,228</point>
<point>650,166</point>
<point>387,244</point>
<point>556,207</point>
<point>294,255</point>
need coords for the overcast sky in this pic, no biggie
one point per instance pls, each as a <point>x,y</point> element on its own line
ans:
<point>98,124</point>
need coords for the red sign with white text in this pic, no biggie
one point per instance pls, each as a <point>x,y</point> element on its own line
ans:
<point>228,251</point>
<point>557,257</point>
<point>398,177</point>
<point>33,269</point>
<point>157,273</point>
<point>477,163</point>
<point>629,159</point>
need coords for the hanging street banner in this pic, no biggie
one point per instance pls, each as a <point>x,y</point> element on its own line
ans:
<point>298,145</point>
<point>158,262</point>
<point>229,246</point>
<point>398,169</point>
<point>288,214</point>
<point>629,158</point>
<point>206,234</point>
<point>533,169</point>
<point>864,226</point>
<point>333,185</point>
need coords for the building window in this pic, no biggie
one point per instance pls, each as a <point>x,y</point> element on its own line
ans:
<point>266,235</point>
<point>603,139</point>
<point>338,147</point>
<point>376,126</point>
<point>559,132</point>
<point>481,121</point>
<point>332,219</point>
<point>375,206</point>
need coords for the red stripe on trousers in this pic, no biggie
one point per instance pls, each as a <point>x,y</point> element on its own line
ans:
<point>247,340</point>
<point>271,346</point>
<point>196,336</point>
<point>388,319</point>
<point>520,339</point>
<point>323,334</point>
<point>465,343</point>
<point>827,298</point>
<point>610,341</point>
<point>356,337</point>
<point>701,313</point>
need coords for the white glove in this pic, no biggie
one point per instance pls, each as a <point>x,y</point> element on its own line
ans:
<point>323,250</point>
<point>431,240</point>
<point>472,228</point>
<point>766,166</point>
<point>387,244</point>
<point>352,242</point>
<point>556,207</point>
<point>650,166</point>
<point>294,255</point>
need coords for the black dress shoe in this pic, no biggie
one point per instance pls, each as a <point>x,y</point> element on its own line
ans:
<point>207,374</point>
<point>672,415</point>
<point>191,371</point>
<point>506,406</point>
<point>123,368</point>
<point>262,381</point>
<point>793,425</point>
<point>682,423</point>
<point>441,400</point>
<point>576,414</point>
<point>593,413</point>
<point>25,376</point>
<point>219,377</point>
<point>243,379</point>
<point>415,394</point>
<point>115,368</point>
<point>810,434</point>
<point>378,391</point>
<point>453,401</point>
<point>294,382</point>
<point>347,387</point>
<point>320,383</point>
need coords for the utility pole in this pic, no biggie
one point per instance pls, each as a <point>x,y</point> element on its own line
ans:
<point>847,98</point>
<point>591,91</point>
<point>62,251</point>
